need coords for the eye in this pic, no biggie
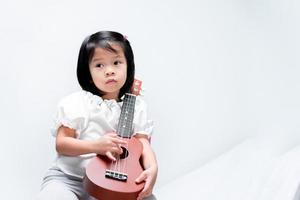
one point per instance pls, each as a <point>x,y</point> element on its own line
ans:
<point>117,62</point>
<point>99,65</point>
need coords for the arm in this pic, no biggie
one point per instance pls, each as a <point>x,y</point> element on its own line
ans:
<point>67,144</point>
<point>148,156</point>
<point>149,162</point>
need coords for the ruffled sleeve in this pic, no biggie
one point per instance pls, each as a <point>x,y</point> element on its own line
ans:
<point>72,113</point>
<point>142,124</point>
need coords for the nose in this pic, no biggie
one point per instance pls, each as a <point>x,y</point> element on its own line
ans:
<point>109,71</point>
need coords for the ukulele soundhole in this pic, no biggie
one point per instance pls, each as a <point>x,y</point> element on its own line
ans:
<point>124,153</point>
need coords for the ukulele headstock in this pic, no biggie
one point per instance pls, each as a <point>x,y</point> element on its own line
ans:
<point>136,87</point>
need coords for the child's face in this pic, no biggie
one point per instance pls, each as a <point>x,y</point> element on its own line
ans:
<point>109,71</point>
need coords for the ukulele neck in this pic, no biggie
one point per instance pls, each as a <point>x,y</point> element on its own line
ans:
<point>124,129</point>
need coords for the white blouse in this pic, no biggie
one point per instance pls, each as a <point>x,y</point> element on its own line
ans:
<point>91,117</point>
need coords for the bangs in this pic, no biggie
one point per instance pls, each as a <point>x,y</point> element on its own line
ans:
<point>103,44</point>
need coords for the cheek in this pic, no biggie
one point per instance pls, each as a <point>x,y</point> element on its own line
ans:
<point>97,80</point>
<point>93,78</point>
<point>125,73</point>
<point>95,74</point>
<point>124,77</point>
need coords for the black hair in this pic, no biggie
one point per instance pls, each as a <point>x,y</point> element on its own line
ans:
<point>103,39</point>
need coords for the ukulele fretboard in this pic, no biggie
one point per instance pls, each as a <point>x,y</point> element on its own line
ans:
<point>126,117</point>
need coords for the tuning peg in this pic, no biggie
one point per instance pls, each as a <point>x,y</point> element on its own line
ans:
<point>142,92</point>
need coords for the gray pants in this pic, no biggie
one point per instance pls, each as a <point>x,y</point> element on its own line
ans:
<point>60,186</point>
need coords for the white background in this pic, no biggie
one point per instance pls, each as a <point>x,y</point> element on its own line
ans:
<point>215,73</point>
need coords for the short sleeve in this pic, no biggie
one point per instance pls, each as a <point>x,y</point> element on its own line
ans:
<point>71,112</point>
<point>142,124</point>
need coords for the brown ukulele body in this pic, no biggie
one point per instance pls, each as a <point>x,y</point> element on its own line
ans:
<point>104,188</point>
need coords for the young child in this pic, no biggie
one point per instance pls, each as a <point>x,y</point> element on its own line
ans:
<point>86,121</point>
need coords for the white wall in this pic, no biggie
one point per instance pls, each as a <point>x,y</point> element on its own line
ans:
<point>215,73</point>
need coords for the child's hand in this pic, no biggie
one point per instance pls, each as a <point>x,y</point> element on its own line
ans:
<point>109,145</point>
<point>149,176</point>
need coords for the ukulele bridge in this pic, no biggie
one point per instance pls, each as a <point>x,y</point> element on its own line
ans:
<point>116,175</point>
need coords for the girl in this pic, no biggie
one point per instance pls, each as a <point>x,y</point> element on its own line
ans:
<point>105,71</point>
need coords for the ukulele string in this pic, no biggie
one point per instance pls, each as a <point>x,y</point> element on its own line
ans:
<point>125,104</point>
<point>114,164</point>
<point>129,122</point>
<point>120,130</point>
<point>130,128</point>
<point>123,127</point>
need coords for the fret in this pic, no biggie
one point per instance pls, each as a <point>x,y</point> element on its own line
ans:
<point>126,116</point>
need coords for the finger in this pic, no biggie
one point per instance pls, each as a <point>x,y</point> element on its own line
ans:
<point>117,150</point>
<point>110,156</point>
<point>112,134</point>
<point>144,193</point>
<point>146,188</point>
<point>118,141</point>
<point>141,178</point>
<point>143,196</point>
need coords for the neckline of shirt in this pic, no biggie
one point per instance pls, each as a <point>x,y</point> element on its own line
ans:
<point>97,100</point>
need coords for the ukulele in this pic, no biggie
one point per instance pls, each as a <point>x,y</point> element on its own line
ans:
<point>115,180</point>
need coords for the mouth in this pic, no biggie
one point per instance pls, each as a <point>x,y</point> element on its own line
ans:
<point>110,81</point>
